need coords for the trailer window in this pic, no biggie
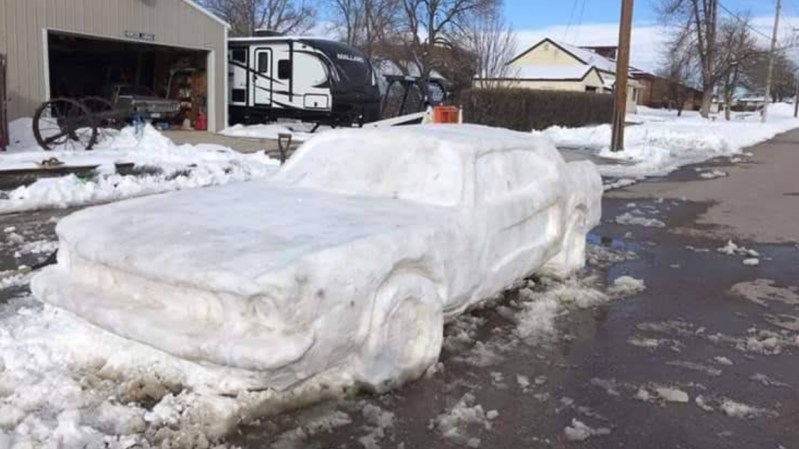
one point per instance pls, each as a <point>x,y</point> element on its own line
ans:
<point>239,56</point>
<point>284,69</point>
<point>263,62</point>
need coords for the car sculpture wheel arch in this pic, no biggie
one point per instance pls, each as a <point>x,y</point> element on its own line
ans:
<point>571,256</point>
<point>406,331</point>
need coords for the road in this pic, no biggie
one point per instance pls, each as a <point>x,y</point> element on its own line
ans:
<point>703,357</point>
<point>690,362</point>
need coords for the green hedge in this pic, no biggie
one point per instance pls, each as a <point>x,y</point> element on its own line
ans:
<point>526,109</point>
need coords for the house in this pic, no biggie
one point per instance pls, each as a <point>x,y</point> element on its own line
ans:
<point>81,48</point>
<point>660,92</point>
<point>554,65</point>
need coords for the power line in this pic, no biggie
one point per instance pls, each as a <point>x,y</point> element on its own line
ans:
<point>743,21</point>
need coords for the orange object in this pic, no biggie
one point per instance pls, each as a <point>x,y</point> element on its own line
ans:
<point>202,122</point>
<point>446,114</point>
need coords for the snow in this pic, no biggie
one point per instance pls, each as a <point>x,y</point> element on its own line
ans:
<point>67,384</point>
<point>663,142</point>
<point>236,276</point>
<point>626,285</point>
<point>579,431</point>
<point>751,262</point>
<point>739,410</point>
<point>628,218</point>
<point>731,249</point>
<point>464,417</point>
<point>161,166</point>
<point>300,132</point>
<point>712,174</point>
<point>671,394</point>
<point>721,360</point>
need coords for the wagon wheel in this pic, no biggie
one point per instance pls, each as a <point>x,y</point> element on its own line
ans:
<point>105,115</point>
<point>64,124</point>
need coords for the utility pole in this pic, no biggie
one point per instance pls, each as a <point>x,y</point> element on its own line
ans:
<point>622,73</point>
<point>771,60</point>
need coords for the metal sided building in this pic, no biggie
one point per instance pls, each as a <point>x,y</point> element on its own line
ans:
<point>81,48</point>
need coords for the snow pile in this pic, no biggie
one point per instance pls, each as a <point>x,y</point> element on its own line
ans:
<point>67,384</point>
<point>579,431</point>
<point>463,418</point>
<point>300,132</point>
<point>543,303</point>
<point>160,166</point>
<point>663,142</point>
<point>379,422</point>
<point>731,249</point>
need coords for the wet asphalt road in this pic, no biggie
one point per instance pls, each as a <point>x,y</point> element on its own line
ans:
<point>682,332</point>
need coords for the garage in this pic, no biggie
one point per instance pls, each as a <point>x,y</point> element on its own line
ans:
<point>169,49</point>
<point>82,67</point>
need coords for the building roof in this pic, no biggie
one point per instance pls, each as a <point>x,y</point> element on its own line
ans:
<point>208,13</point>
<point>583,55</point>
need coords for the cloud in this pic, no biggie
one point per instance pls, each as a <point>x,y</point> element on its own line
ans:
<point>648,39</point>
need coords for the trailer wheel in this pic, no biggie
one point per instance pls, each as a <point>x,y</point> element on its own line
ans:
<point>65,124</point>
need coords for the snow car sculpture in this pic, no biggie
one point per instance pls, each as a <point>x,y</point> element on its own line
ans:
<point>349,260</point>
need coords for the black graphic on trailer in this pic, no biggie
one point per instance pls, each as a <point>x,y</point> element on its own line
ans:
<point>310,79</point>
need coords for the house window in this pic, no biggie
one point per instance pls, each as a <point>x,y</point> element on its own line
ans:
<point>284,69</point>
<point>590,88</point>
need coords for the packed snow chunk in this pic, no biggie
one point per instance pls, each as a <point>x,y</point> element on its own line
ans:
<point>731,249</point>
<point>379,422</point>
<point>579,431</point>
<point>671,394</point>
<point>738,410</point>
<point>216,275</point>
<point>464,417</point>
<point>540,308</point>
<point>626,285</point>
<point>629,219</point>
<point>751,262</point>
<point>712,174</point>
<point>721,360</point>
<point>159,166</point>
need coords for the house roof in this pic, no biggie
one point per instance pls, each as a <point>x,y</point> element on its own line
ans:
<point>582,55</point>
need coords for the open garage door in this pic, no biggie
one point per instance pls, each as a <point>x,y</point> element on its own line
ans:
<point>82,66</point>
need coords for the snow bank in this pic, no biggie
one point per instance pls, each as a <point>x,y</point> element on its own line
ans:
<point>66,384</point>
<point>300,132</point>
<point>160,166</point>
<point>663,142</point>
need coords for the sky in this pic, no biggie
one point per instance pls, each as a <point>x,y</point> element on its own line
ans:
<point>595,22</point>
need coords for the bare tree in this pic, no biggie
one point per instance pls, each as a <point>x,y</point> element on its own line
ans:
<point>428,24</point>
<point>696,24</point>
<point>737,48</point>
<point>366,24</point>
<point>281,16</point>
<point>679,73</point>
<point>492,41</point>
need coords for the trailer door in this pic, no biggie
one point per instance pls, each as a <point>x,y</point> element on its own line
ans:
<point>262,77</point>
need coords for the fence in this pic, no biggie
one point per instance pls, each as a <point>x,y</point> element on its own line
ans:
<point>4,139</point>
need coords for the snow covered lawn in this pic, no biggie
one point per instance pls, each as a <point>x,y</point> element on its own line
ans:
<point>160,166</point>
<point>300,132</point>
<point>660,142</point>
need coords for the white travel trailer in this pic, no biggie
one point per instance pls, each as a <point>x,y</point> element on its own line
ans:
<point>311,79</point>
